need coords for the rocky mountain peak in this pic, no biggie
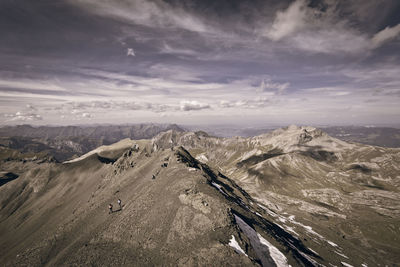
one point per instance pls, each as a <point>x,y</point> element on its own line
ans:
<point>299,138</point>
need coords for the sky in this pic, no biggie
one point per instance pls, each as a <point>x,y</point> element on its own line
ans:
<point>259,62</point>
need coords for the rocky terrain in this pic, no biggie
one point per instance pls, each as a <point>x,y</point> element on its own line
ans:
<point>294,196</point>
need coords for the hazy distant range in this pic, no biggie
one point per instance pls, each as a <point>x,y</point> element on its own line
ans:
<point>377,136</point>
<point>65,142</point>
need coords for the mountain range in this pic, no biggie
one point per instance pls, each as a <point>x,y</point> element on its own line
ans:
<point>370,135</point>
<point>294,196</point>
<point>65,142</point>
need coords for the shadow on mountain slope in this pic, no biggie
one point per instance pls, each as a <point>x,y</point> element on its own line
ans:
<point>6,177</point>
<point>252,160</point>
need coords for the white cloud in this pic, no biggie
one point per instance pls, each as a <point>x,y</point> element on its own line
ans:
<point>87,115</point>
<point>193,105</point>
<point>256,103</point>
<point>288,21</point>
<point>90,107</point>
<point>268,85</point>
<point>31,85</point>
<point>383,76</point>
<point>21,116</point>
<point>143,12</point>
<point>165,85</point>
<point>130,52</point>
<point>385,35</point>
<point>167,49</point>
<point>331,41</point>
<point>227,104</point>
<point>31,107</point>
<point>341,93</point>
<point>309,29</point>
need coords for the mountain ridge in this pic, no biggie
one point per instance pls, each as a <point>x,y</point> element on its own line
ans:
<point>67,142</point>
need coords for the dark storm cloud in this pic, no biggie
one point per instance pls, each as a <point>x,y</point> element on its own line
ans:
<point>198,56</point>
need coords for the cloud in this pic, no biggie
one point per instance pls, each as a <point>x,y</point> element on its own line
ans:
<point>256,103</point>
<point>171,83</point>
<point>227,104</point>
<point>268,85</point>
<point>31,85</point>
<point>90,107</point>
<point>130,52</point>
<point>322,29</point>
<point>146,106</point>
<point>340,93</point>
<point>167,49</point>
<point>383,76</point>
<point>87,115</point>
<point>331,41</point>
<point>31,107</point>
<point>385,35</point>
<point>21,116</point>
<point>193,105</point>
<point>157,14</point>
<point>288,21</point>
<point>81,113</point>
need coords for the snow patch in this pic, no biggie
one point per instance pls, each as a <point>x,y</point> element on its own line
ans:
<point>282,219</point>
<point>270,212</point>
<point>291,229</point>
<point>344,256</point>
<point>233,243</point>
<point>346,264</point>
<point>308,228</point>
<point>331,243</point>
<point>263,249</point>
<point>202,158</point>
<point>218,187</point>
<point>314,251</point>
<point>275,254</point>
<point>308,258</point>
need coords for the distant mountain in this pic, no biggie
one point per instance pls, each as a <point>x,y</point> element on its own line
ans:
<point>291,197</point>
<point>231,131</point>
<point>377,136</point>
<point>110,133</point>
<point>64,142</point>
